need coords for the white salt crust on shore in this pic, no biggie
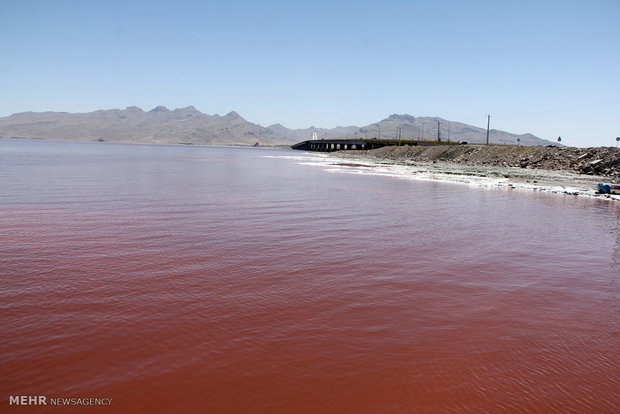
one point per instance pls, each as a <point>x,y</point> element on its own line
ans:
<point>548,181</point>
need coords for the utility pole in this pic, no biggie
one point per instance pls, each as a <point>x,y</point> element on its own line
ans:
<point>379,131</point>
<point>398,133</point>
<point>488,124</point>
<point>438,133</point>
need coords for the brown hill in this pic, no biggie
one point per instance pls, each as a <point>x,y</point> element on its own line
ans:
<point>410,127</point>
<point>132,124</point>
<point>188,125</point>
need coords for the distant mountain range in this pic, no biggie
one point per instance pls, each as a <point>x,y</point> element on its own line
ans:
<point>190,126</point>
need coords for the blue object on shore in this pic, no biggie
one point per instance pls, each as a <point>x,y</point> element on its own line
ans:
<point>608,188</point>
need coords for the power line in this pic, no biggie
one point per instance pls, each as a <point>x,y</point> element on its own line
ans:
<point>488,124</point>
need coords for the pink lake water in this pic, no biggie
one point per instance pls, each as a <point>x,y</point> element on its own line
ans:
<point>230,280</point>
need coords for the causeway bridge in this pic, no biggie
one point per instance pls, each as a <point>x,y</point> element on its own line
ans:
<point>329,145</point>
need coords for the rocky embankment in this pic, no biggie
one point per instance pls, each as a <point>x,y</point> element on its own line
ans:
<point>600,161</point>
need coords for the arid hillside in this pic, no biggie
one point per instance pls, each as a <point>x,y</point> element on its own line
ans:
<point>190,126</point>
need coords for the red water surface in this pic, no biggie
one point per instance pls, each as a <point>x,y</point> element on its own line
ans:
<point>236,281</point>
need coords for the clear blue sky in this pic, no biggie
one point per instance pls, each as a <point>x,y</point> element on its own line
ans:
<point>551,68</point>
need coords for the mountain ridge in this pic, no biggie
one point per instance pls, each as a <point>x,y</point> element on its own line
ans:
<point>189,125</point>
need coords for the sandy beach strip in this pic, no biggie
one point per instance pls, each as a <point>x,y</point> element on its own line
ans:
<point>550,181</point>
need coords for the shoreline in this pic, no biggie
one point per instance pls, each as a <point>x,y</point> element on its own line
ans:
<point>482,176</point>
